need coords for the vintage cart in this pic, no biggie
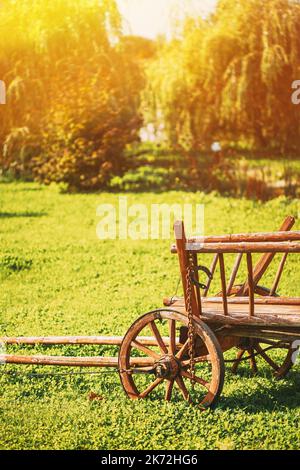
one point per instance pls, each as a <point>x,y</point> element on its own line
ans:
<point>180,349</point>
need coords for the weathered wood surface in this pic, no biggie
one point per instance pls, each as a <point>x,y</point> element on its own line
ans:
<point>243,247</point>
<point>80,340</point>
<point>72,361</point>
<point>251,285</point>
<point>238,314</point>
<point>212,270</point>
<point>282,236</point>
<point>168,301</point>
<point>183,264</point>
<point>223,283</point>
<point>234,272</point>
<point>266,259</point>
<point>278,274</point>
<point>288,335</point>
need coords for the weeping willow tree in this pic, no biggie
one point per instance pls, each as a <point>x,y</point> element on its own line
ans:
<point>230,77</point>
<point>72,91</point>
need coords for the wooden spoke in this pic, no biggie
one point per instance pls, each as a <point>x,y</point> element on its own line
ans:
<point>150,389</point>
<point>253,363</point>
<point>239,357</point>
<point>182,388</point>
<point>183,350</point>
<point>257,349</point>
<point>172,333</point>
<point>158,338</point>
<point>197,379</point>
<point>144,349</point>
<point>267,358</point>
<point>169,389</point>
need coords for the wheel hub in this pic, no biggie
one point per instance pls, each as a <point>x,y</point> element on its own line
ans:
<point>166,368</point>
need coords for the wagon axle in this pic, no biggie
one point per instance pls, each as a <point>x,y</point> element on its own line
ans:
<point>167,367</point>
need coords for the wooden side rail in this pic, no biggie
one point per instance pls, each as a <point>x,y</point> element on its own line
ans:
<point>241,247</point>
<point>251,237</point>
<point>268,243</point>
<point>244,247</point>
<point>284,235</point>
<point>266,259</point>
<point>286,301</point>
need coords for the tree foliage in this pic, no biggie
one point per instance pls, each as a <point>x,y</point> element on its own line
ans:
<point>72,91</point>
<point>230,76</point>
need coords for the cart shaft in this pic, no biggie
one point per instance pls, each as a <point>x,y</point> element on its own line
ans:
<point>72,361</point>
<point>80,340</point>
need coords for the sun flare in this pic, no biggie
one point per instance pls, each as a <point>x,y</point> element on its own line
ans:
<point>153,17</point>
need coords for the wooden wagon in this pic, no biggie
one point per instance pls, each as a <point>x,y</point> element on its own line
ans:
<point>181,347</point>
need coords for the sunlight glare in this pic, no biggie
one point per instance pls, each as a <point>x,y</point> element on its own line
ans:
<point>150,18</point>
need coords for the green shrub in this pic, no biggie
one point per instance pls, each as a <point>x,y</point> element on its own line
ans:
<point>143,179</point>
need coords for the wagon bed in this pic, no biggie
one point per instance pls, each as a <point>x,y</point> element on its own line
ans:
<point>268,311</point>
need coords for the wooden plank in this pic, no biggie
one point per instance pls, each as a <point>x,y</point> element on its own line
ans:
<point>241,318</point>
<point>243,308</point>
<point>288,336</point>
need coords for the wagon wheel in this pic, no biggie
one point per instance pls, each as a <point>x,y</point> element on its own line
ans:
<point>255,348</point>
<point>259,348</point>
<point>168,372</point>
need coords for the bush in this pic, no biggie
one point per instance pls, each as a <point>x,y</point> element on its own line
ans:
<point>145,178</point>
<point>84,138</point>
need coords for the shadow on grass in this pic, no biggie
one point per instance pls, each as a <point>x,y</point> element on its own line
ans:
<point>11,215</point>
<point>273,395</point>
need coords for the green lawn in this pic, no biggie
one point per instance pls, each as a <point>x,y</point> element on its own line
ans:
<point>58,278</point>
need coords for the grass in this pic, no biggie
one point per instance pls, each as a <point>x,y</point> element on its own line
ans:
<point>57,278</point>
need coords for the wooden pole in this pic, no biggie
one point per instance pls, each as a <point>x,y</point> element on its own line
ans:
<point>234,272</point>
<point>278,274</point>
<point>267,258</point>
<point>285,234</point>
<point>72,361</point>
<point>241,301</point>
<point>183,263</point>
<point>223,282</point>
<point>250,284</point>
<point>212,270</point>
<point>79,340</point>
<point>245,247</point>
